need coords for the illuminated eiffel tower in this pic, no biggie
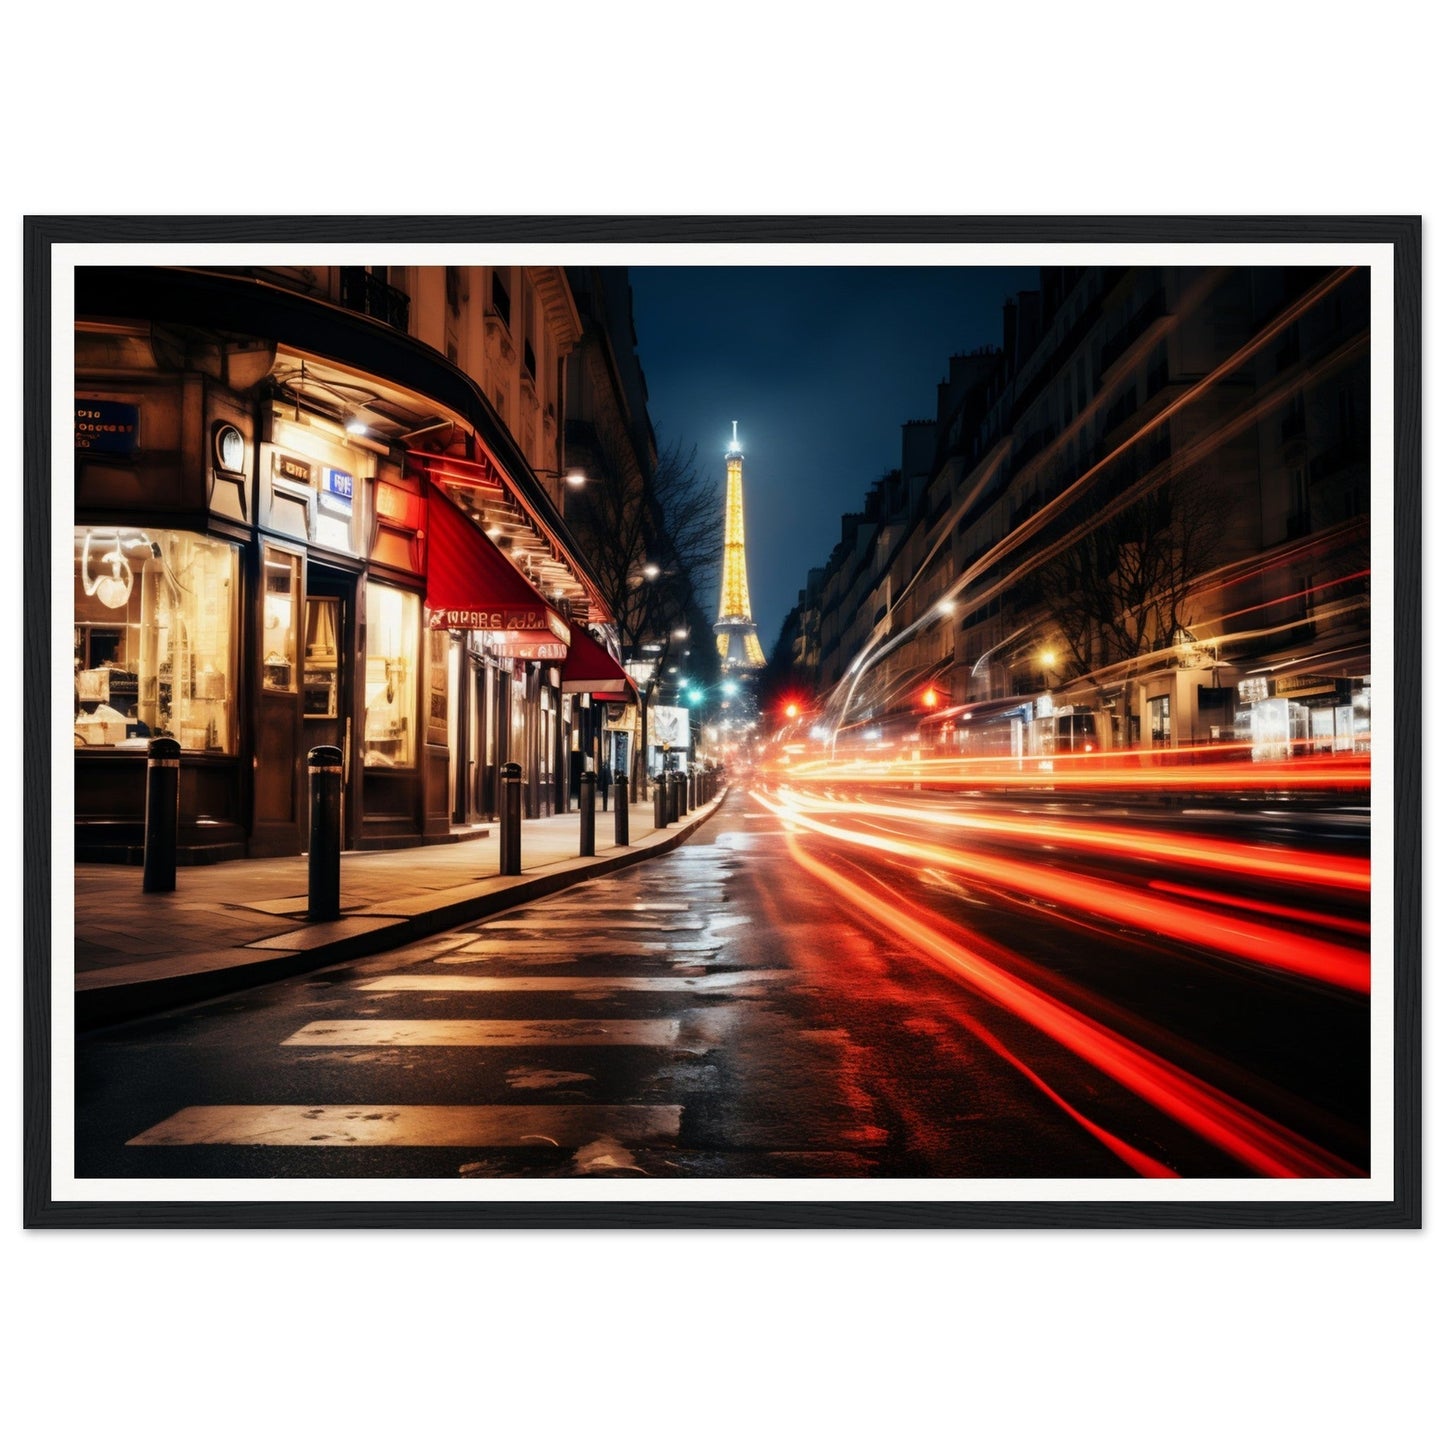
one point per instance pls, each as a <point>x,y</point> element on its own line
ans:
<point>737,635</point>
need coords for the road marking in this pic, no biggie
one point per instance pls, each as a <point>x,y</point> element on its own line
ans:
<point>605,907</point>
<point>552,983</point>
<point>594,924</point>
<point>570,947</point>
<point>486,1033</point>
<point>457,1126</point>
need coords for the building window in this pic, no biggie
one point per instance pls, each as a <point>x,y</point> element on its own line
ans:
<point>529,331</point>
<point>392,630</point>
<point>1159,721</point>
<point>501,300</point>
<point>155,639</point>
<point>366,289</point>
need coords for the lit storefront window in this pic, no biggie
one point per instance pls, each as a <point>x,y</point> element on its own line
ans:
<point>155,637</point>
<point>393,620</point>
<point>281,590</point>
<point>1159,728</point>
<point>1360,718</point>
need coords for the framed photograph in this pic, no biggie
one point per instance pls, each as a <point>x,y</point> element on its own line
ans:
<point>1034,605</point>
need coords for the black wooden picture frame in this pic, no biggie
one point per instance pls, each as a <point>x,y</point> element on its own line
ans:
<point>42,234</point>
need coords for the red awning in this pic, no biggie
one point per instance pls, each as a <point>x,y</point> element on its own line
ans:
<point>591,668</point>
<point>470,584</point>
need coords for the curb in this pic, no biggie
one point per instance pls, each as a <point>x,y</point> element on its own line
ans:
<point>102,1005</point>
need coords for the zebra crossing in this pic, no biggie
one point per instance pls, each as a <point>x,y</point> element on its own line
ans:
<point>493,994</point>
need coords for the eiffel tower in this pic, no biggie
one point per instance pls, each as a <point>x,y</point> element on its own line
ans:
<point>737,634</point>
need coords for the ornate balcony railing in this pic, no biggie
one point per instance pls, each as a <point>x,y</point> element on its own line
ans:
<point>371,296</point>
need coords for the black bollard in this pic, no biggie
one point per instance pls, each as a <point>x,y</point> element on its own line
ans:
<point>163,815</point>
<point>679,795</point>
<point>587,807</point>
<point>693,801</point>
<point>323,862</point>
<point>659,802</point>
<point>620,819</point>
<point>511,830</point>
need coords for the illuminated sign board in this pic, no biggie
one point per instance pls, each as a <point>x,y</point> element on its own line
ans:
<point>529,649</point>
<point>336,489</point>
<point>502,619</point>
<point>293,469</point>
<point>1302,683</point>
<point>667,727</point>
<point>106,426</point>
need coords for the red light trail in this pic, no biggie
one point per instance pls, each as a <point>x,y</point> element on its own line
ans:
<point>1258,943</point>
<point>1242,1132</point>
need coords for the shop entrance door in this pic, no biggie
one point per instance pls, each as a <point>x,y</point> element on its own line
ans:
<point>328,686</point>
<point>476,689</point>
<point>494,694</point>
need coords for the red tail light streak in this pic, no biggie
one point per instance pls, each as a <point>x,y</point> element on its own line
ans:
<point>1245,938</point>
<point>1204,769</point>
<point>1240,1131</point>
<point>1284,865</point>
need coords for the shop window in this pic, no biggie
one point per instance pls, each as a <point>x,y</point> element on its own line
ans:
<point>1159,721</point>
<point>1360,720</point>
<point>393,621</point>
<point>323,630</point>
<point>281,590</point>
<point>155,635</point>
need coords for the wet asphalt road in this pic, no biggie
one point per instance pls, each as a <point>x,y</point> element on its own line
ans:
<point>718,1013</point>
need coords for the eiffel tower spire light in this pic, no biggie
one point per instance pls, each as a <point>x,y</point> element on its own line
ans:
<point>737,635</point>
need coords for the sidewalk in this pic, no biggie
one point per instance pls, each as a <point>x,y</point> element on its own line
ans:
<point>234,925</point>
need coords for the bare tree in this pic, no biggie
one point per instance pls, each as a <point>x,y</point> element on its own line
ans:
<point>653,537</point>
<point>1121,587</point>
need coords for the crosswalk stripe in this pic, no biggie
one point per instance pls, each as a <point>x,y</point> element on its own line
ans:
<point>590,944</point>
<point>552,983</point>
<point>486,1033</point>
<point>471,1126</point>
<point>601,906</point>
<point>598,925</point>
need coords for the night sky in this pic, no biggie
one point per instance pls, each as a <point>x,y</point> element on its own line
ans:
<point>821,366</point>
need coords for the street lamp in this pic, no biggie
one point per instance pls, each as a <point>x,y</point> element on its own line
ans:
<point>573,476</point>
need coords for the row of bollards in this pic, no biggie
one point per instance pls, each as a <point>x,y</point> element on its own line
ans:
<point>163,817</point>
<point>675,795</point>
